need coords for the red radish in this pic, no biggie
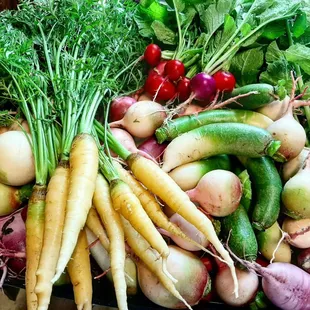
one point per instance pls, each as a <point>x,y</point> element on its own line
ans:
<point>142,119</point>
<point>190,110</point>
<point>174,69</point>
<point>190,231</point>
<point>12,245</point>
<point>303,260</point>
<point>291,134</point>
<point>225,81</point>
<point>298,231</point>
<point>160,68</point>
<point>193,280</point>
<point>203,86</point>
<point>262,261</point>
<point>184,89</point>
<point>218,192</point>
<point>128,142</point>
<point>159,87</point>
<point>209,263</point>
<point>119,107</point>
<point>152,54</point>
<point>284,284</point>
<point>153,148</point>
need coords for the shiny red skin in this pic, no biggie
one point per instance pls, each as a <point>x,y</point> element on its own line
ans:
<point>184,89</point>
<point>152,55</point>
<point>174,69</point>
<point>224,81</point>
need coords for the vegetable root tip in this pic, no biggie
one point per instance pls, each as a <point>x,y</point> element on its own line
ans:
<point>166,272</point>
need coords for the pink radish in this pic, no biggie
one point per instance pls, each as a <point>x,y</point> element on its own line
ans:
<point>193,280</point>
<point>190,231</point>
<point>224,286</point>
<point>218,192</point>
<point>298,231</point>
<point>284,284</point>
<point>142,119</point>
<point>153,148</point>
<point>128,142</point>
<point>119,107</point>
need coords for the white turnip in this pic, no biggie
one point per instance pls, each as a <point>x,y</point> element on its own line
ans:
<point>119,107</point>
<point>224,286</point>
<point>298,231</point>
<point>296,193</point>
<point>291,134</point>
<point>193,280</point>
<point>16,159</point>
<point>285,285</point>
<point>291,167</point>
<point>218,192</point>
<point>275,109</point>
<point>142,119</point>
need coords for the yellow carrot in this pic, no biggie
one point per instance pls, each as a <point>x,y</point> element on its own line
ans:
<point>55,204</point>
<point>128,205</point>
<point>80,274</point>
<point>34,241</point>
<point>94,224</point>
<point>83,172</point>
<point>149,257</point>
<point>162,185</point>
<point>112,223</point>
<point>152,207</point>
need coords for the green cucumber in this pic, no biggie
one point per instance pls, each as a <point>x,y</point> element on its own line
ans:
<point>215,139</point>
<point>267,188</point>
<point>174,128</point>
<point>242,239</point>
<point>266,94</point>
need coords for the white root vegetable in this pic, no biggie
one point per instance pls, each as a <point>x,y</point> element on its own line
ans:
<point>275,109</point>
<point>291,167</point>
<point>298,231</point>
<point>16,159</point>
<point>248,286</point>
<point>192,275</point>
<point>218,192</point>
<point>296,193</point>
<point>142,119</point>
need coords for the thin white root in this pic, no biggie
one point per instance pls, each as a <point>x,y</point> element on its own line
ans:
<point>166,272</point>
<point>284,235</point>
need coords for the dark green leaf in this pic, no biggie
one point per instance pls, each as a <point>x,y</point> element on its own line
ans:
<point>273,52</point>
<point>274,30</point>
<point>300,25</point>
<point>163,33</point>
<point>300,55</point>
<point>305,38</point>
<point>246,65</point>
<point>144,26</point>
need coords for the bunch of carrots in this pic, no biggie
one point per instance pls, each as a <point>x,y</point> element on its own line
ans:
<point>58,87</point>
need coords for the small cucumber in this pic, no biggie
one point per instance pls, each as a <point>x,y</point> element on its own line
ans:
<point>267,188</point>
<point>268,241</point>
<point>266,94</point>
<point>242,240</point>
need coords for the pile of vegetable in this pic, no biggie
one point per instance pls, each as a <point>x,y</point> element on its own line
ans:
<point>165,143</point>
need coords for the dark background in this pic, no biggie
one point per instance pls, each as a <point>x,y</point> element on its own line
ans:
<point>7,4</point>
